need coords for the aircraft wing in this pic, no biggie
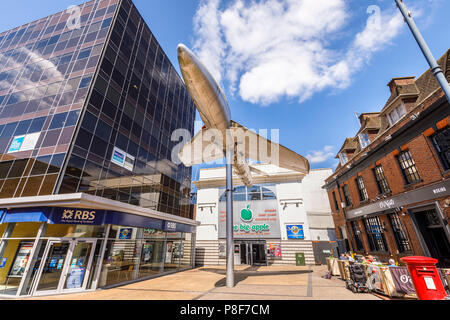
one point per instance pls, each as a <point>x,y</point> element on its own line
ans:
<point>257,147</point>
<point>201,149</point>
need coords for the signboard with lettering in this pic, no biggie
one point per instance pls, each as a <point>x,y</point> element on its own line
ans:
<point>77,216</point>
<point>123,159</point>
<point>252,219</point>
<point>295,231</point>
<point>24,142</point>
<point>423,194</point>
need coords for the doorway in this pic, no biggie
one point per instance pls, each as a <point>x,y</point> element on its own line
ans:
<point>432,230</point>
<point>253,253</point>
<point>66,266</point>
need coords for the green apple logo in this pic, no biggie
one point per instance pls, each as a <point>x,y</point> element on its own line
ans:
<point>247,214</point>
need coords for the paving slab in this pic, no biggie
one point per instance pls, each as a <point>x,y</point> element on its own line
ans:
<point>208,283</point>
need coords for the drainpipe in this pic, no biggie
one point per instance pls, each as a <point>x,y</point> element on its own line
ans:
<point>435,68</point>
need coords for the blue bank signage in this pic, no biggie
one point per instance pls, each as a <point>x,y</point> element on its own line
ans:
<point>295,231</point>
<point>77,216</point>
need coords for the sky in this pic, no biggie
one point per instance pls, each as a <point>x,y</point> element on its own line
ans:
<point>304,67</point>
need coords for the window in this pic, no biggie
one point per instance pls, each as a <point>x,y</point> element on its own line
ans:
<point>357,234</point>
<point>375,234</point>
<point>441,142</point>
<point>343,158</point>
<point>361,189</point>
<point>381,180</point>
<point>253,193</point>
<point>335,201</point>
<point>408,167</point>
<point>364,140</point>
<point>396,114</point>
<point>348,199</point>
<point>399,234</point>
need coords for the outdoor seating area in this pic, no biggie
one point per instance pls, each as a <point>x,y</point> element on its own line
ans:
<point>369,274</point>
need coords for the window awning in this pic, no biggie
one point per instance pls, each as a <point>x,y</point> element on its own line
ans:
<point>25,215</point>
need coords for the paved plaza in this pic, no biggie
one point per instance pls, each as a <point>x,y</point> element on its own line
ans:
<point>252,283</point>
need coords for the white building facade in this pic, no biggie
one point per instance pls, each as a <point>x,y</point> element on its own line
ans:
<point>282,214</point>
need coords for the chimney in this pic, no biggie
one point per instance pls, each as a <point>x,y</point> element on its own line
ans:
<point>395,82</point>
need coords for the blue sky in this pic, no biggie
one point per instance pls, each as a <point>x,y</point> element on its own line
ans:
<point>332,66</point>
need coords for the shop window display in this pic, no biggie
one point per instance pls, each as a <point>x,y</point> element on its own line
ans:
<point>173,251</point>
<point>152,253</point>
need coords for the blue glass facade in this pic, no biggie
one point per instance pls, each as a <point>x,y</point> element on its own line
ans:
<point>70,98</point>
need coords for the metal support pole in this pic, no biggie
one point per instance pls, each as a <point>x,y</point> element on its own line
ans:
<point>229,225</point>
<point>435,68</point>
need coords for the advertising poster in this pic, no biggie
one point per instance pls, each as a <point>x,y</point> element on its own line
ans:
<point>125,233</point>
<point>274,250</point>
<point>169,252</point>
<point>295,231</point>
<point>22,256</point>
<point>147,252</point>
<point>75,278</point>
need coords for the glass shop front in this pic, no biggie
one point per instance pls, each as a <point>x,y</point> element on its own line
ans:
<point>42,254</point>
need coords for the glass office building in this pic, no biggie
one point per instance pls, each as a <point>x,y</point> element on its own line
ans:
<point>89,196</point>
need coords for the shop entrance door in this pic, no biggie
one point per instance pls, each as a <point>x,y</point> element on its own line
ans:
<point>253,253</point>
<point>432,229</point>
<point>66,266</point>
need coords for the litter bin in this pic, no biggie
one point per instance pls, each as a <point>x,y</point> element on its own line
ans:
<point>300,259</point>
<point>425,278</point>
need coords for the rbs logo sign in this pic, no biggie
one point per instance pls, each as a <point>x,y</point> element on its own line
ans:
<point>79,216</point>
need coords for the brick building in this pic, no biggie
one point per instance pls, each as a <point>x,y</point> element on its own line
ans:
<point>390,194</point>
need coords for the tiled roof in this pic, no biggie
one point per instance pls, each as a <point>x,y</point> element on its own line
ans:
<point>427,82</point>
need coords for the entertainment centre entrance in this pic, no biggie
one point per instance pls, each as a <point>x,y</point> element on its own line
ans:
<point>253,253</point>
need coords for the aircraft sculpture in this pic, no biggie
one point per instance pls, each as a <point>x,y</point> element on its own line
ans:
<point>214,110</point>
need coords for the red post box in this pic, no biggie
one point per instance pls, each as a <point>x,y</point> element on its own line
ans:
<point>425,278</point>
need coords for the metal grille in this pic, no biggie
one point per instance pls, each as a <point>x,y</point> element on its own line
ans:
<point>382,183</point>
<point>362,189</point>
<point>375,234</point>
<point>399,234</point>
<point>441,142</point>
<point>408,167</point>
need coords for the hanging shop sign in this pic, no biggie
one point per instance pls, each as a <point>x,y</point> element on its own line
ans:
<point>253,219</point>
<point>24,143</point>
<point>295,231</point>
<point>123,159</point>
<point>423,194</point>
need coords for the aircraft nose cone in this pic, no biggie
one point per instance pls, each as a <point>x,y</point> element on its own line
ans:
<point>182,51</point>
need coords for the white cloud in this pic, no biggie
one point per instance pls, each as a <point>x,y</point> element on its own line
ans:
<point>321,156</point>
<point>269,49</point>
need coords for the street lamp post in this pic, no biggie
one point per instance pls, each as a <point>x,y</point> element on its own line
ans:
<point>229,219</point>
<point>435,68</point>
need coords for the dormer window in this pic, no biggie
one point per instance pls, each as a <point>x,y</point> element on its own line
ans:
<point>343,158</point>
<point>396,114</point>
<point>364,140</point>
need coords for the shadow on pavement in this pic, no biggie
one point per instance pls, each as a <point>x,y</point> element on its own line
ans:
<point>241,275</point>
